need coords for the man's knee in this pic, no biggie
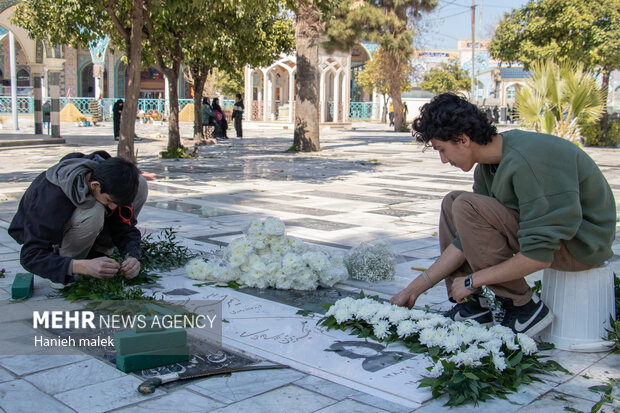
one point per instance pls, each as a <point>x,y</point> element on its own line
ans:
<point>448,201</point>
<point>88,220</point>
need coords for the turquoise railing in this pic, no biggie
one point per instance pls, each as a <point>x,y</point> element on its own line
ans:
<point>358,110</point>
<point>24,104</point>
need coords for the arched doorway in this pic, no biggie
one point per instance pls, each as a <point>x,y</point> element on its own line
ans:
<point>359,57</point>
<point>87,82</point>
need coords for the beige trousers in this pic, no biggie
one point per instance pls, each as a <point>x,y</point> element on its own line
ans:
<point>83,231</point>
<point>488,234</point>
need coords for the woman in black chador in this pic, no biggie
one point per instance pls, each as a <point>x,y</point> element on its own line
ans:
<point>220,120</point>
<point>237,114</point>
<point>117,109</point>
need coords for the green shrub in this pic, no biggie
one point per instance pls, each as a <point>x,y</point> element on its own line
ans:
<point>592,135</point>
<point>175,153</point>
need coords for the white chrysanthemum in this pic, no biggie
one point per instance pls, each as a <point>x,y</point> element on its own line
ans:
<point>505,333</point>
<point>342,315</point>
<point>452,342</point>
<point>499,362</point>
<point>283,281</point>
<point>228,274</point>
<point>273,226</point>
<point>316,260</point>
<point>417,314</point>
<point>468,335</point>
<point>406,328</point>
<point>437,370</point>
<point>255,228</point>
<point>258,241</point>
<point>381,329</point>
<point>305,280</point>
<point>277,245</point>
<point>483,334</point>
<point>236,260</point>
<point>196,269</point>
<point>366,312</point>
<point>241,246</point>
<point>296,245</point>
<point>494,346</point>
<point>426,336</point>
<point>528,345</point>
<point>398,314</point>
<point>292,262</point>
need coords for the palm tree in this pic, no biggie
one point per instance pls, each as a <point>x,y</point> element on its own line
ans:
<point>558,98</point>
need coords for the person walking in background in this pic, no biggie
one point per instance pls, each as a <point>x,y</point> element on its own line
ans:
<point>220,121</point>
<point>207,118</point>
<point>117,109</point>
<point>237,114</point>
<point>391,113</point>
<point>47,109</point>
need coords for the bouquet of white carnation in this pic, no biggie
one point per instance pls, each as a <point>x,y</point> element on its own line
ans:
<point>371,263</point>
<point>266,257</point>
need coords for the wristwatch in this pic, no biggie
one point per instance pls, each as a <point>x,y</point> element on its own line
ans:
<point>469,283</point>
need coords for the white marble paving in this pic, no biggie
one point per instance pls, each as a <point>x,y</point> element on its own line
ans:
<point>554,402</point>
<point>325,387</point>
<point>179,401</point>
<point>73,376</point>
<point>350,406</point>
<point>283,400</point>
<point>5,376</point>
<point>105,396</point>
<point>22,364</point>
<point>19,396</point>
<point>243,385</point>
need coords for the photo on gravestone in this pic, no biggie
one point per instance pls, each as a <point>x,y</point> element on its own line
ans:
<point>374,355</point>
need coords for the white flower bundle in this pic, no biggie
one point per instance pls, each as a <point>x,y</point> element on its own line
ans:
<point>266,257</point>
<point>371,263</point>
<point>464,343</point>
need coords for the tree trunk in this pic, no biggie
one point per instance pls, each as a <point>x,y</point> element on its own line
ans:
<point>398,106</point>
<point>199,77</point>
<point>174,136</point>
<point>385,109</point>
<point>307,129</point>
<point>134,53</point>
<point>605,90</point>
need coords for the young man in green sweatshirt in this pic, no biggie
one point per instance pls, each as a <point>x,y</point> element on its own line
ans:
<point>538,201</point>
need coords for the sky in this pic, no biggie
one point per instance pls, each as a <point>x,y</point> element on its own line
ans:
<point>451,20</point>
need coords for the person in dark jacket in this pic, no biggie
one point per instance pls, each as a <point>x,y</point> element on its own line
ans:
<point>73,214</point>
<point>220,120</point>
<point>207,118</point>
<point>117,109</point>
<point>237,114</point>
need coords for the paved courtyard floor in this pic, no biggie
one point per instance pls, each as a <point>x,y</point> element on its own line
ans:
<point>367,185</point>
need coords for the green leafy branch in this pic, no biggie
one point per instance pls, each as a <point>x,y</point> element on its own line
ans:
<point>161,254</point>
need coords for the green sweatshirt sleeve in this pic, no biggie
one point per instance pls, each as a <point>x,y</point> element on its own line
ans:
<point>547,214</point>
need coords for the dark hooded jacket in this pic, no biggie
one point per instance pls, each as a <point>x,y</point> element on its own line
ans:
<point>48,204</point>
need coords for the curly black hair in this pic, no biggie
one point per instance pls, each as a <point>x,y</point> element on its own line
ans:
<point>447,116</point>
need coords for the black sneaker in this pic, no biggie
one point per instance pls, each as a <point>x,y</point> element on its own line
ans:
<point>476,310</point>
<point>529,319</point>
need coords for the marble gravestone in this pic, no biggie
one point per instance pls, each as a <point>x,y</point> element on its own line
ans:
<point>276,332</point>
